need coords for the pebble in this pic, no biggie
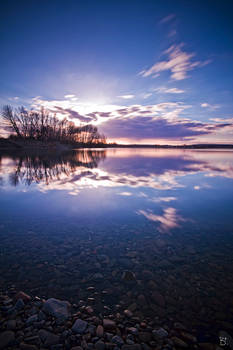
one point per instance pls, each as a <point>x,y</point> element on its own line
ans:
<point>109,324</point>
<point>99,331</point>
<point>79,326</point>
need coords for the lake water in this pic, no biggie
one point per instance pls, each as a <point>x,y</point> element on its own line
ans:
<point>140,229</point>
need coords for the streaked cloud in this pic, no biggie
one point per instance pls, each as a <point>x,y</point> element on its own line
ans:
<point>167,19</point>
<point>179,63</point>
<point>126,97</point>
<point>209,106</point>
<point>163,199</point>
<point>168,220</point>
<point>169,90</point>
<point>69,96</point>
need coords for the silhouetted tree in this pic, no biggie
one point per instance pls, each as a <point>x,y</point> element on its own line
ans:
<point>40,125</point>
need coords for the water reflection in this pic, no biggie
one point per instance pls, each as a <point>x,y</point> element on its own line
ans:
<point>47,168</point>
<point>156,169</point>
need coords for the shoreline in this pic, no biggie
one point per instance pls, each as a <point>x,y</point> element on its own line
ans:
<point>32,323</point>
<point>32,145</point>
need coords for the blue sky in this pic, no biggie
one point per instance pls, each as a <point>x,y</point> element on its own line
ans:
<point>143,71</point>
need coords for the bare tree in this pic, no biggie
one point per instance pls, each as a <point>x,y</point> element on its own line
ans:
<point>40,125</point>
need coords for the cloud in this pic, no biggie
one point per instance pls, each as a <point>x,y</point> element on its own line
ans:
<point>15,98</point>
<point>69,96</point>
<point>126,97</point>
<point>167,18</point>
<point>74,115</point>
<point>169,220</point>
<point>163,199</point>
<point>209,106</point>
<point>169,90</point>
<point>146,95</point>
<point>179,63</point>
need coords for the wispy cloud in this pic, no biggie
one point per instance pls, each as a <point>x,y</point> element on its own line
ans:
<point>179,63</point>
<point>126,97</point>
<point>69,96</point>
<point>169,90</point>
<point>209,106</point>
<point>167,19</point>
<point>169,220</point>
<point>15,98</point>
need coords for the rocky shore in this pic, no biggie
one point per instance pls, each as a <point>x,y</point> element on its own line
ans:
<point>32,323</point>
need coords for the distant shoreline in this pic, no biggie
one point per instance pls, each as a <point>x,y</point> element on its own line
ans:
<point>7,144</point>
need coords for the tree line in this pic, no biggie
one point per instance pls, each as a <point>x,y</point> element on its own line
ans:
<point>42,126</point>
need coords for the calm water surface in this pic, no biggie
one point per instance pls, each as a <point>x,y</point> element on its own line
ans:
<point>150,230</point>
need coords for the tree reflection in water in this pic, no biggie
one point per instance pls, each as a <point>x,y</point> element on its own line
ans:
<point>46,168</point>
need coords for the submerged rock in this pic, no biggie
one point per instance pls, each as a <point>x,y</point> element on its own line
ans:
<point>79,326</point>
<point>57,308</point>
<point>128,276</point>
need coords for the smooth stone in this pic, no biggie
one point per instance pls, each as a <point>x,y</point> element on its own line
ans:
<point>79,326</point>
<point>100,331</point>
<point>21,295</point>
<point>19,305</point>
<point>160,333</point>
<point>32,319</point>
<point>128,276</point>
<point>132,330</point>
<point>48,338</point>
<point>6,339</point>
<point>177,341</point>
<point>100,345</point>
<point>128,313</point>
<point>57,308</point>
<point>117,340</point>
<point>108,324</point>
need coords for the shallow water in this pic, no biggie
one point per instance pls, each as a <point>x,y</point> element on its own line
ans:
<point>150,230</point>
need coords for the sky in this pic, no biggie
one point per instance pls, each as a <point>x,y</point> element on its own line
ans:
<point>148,72</point>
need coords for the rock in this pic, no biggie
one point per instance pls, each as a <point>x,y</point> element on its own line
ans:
<point>79,326</point>
<point>118,340</point>
<point>132,330</point>
<point>57,308</point>
<point>25,297</point>
<point>11,324</point>
<point>131,347</point>
<point>128,313</point>
<point>178,342</point>
<point>48,338</point>
<point>24,346</point>
<point>145,337</point>
<point>98,276</point>
<point>99,345</point>
<point>158,299</point>
<point>6,339</point>
<point>108,324</point>
<point>160,333</point>
<point>128,276</point>
<point>189,337</point>
<point>32,319</point>
<point>100,331</point>
<point>76,348</point>
<point>19,305</point>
